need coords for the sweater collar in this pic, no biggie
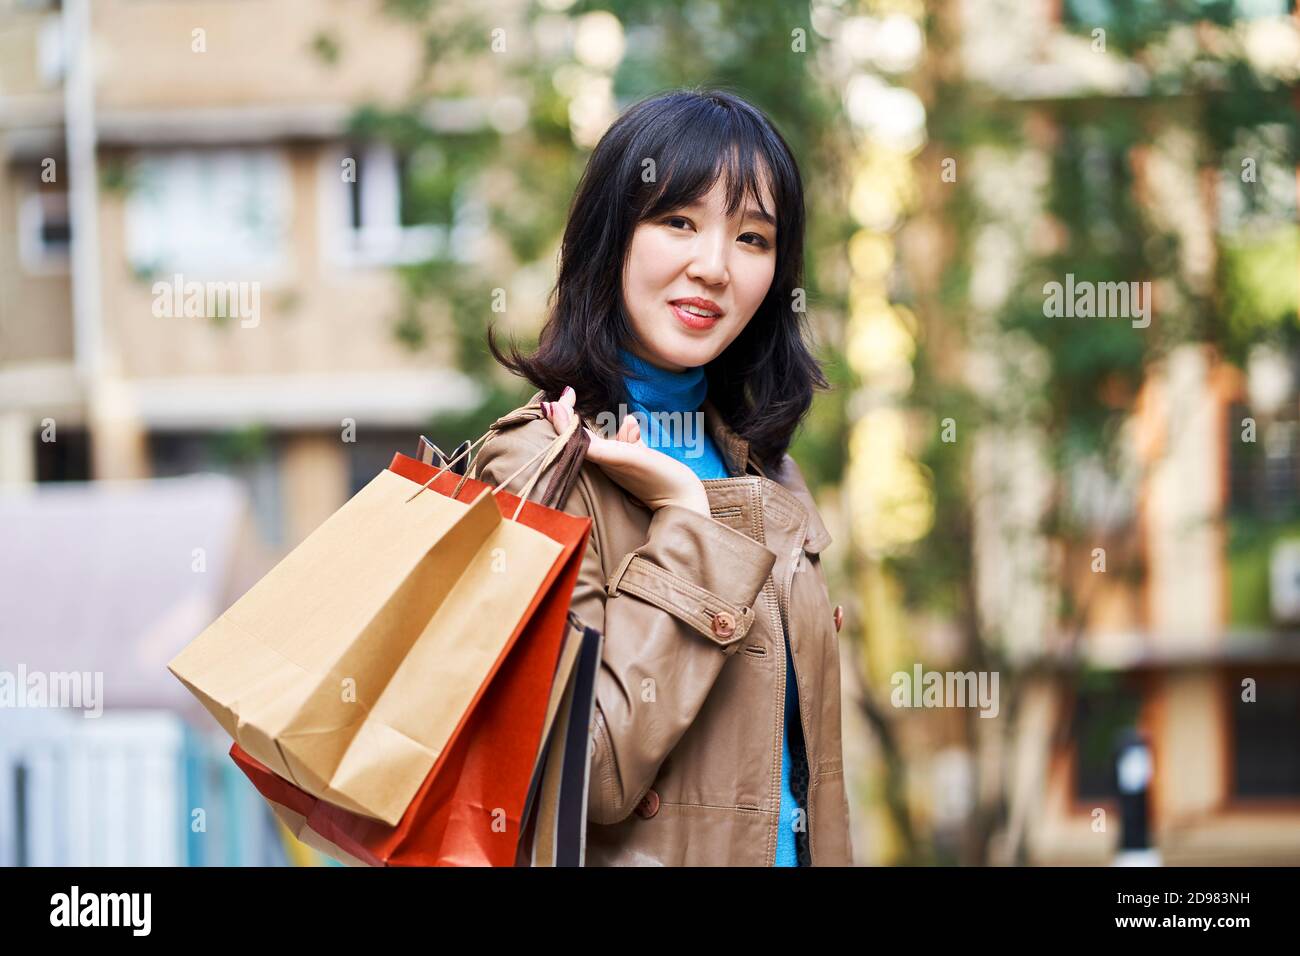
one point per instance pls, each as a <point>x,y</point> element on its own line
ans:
<point>660,390</point>
<point>734,447</point>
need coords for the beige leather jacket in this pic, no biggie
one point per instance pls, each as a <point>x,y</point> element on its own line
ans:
<point>686,756</point>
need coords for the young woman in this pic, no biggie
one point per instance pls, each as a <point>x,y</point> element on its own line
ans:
<point>717,727</point>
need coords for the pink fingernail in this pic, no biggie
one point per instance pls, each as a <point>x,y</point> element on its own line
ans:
<point>567,393</point>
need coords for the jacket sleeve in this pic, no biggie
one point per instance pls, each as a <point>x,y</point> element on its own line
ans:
<point>672,612</point>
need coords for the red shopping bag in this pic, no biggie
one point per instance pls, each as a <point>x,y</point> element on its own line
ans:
<point>469,809</point>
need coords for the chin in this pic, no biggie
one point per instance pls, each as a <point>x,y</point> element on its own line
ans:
<point>687,352</point>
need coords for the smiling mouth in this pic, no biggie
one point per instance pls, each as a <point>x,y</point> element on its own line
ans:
<point>694,305</point>
<point>691,317</point>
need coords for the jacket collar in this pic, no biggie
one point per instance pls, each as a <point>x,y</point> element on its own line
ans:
<point>734,448</point>
<point>788,481</point>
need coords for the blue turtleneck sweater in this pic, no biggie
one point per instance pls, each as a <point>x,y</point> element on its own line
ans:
<point>658,390</point>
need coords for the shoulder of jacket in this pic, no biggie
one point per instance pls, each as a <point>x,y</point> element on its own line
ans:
<point>790,477</point>
<point>521,434</point>
<point>523,430</point>
<point>516,437</point>
<point>529,410</point>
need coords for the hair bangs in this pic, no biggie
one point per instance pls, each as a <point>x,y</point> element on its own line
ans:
<point>722,147</point>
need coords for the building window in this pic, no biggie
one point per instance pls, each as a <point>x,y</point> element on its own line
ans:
<point>50,50</point>
<point>1103,709</point>
<point>67,459</point>
<point>1263,508</point>
<point>1149,14</point>
<point>211,212</point>
<point>378,208</point>
<point>1264,474</point>
<point>1266,737</point>
<point>250,455</point>
<point>1256,191</point>
<point>1101,172</point>
<point>373,450</point>
<point>44,231</point>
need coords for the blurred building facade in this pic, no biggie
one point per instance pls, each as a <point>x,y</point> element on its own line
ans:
<point>1199,650</point>
<point>197,264</point>
<point>197,274</point>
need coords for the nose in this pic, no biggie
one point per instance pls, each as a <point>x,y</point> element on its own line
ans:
<point>709,262</point>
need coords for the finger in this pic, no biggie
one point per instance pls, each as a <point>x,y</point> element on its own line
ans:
<point>628,431</point>
<point>608,451</point>
<point>635,437</point>
<point>596,443</point>
<point>549,410</point>
<point>568,398</point>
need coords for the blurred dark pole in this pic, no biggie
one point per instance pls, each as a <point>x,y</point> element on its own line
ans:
<point>1133,771</point>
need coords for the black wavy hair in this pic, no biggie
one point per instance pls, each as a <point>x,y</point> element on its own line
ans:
<point>762,384</point>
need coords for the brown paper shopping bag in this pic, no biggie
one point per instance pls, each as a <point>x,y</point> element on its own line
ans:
<point>471,809</point>
<point>323,670</point>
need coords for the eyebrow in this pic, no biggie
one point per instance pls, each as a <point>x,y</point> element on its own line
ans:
<point>755,213</point>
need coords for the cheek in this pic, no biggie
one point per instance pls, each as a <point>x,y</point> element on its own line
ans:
<point>752,281</point>
<point>650,262</point>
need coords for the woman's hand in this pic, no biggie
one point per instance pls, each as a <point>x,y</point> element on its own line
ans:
<point>654,478</point>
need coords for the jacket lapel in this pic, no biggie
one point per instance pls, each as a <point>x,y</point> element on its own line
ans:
<point>734,448</point>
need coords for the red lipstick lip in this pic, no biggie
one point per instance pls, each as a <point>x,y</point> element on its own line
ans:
<point>690,321</point>
<point>700,304</point>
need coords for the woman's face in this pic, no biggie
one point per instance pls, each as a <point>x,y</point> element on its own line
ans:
<point>697,252</point>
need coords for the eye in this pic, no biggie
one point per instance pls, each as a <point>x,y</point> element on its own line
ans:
<point>759,242</point>
<point>669,220</point>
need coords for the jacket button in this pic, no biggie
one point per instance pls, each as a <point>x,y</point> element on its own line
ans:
<point>724,624</point>
<point>649,805</point>
<point>839,616</point>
